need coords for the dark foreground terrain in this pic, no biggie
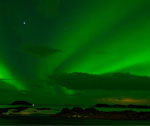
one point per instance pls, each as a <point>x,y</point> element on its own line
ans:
<point>92,113</point>
<point>74,116</point>
<point>48,120</point>
<point>28,114</point>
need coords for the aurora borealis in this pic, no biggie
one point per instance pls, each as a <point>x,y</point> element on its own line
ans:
<point>42,38</point>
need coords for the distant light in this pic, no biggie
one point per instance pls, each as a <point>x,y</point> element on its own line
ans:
<point>33,105</point>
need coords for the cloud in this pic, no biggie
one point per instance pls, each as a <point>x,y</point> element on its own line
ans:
<point>40,50</point>
<point>114,81</point>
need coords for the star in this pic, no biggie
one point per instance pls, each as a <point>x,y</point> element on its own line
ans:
<point>24,22</point>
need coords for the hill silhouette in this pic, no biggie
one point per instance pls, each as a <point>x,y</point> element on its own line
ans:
<point>21,103</point>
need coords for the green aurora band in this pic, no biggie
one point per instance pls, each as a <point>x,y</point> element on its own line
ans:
<point>104,40</point>
<point>94,36</point>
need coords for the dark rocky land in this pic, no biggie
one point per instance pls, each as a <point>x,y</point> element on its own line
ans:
<point>26,109</point>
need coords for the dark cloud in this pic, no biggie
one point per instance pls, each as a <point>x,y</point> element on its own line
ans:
<point>40,50</point>
<point>114,81</point>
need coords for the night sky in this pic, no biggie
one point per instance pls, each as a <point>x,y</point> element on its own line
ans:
<point>75,52</point>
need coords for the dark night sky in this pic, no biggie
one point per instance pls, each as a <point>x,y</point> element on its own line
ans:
<point>65,51</point>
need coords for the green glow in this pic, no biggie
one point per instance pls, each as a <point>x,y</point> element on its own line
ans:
<point>68,91</point>
<point>5,74</point>
<point>94,23</point>
<point>87,36</point>
<point>129,52</point>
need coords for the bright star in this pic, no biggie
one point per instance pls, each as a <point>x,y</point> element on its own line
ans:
<point>24,22</point>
